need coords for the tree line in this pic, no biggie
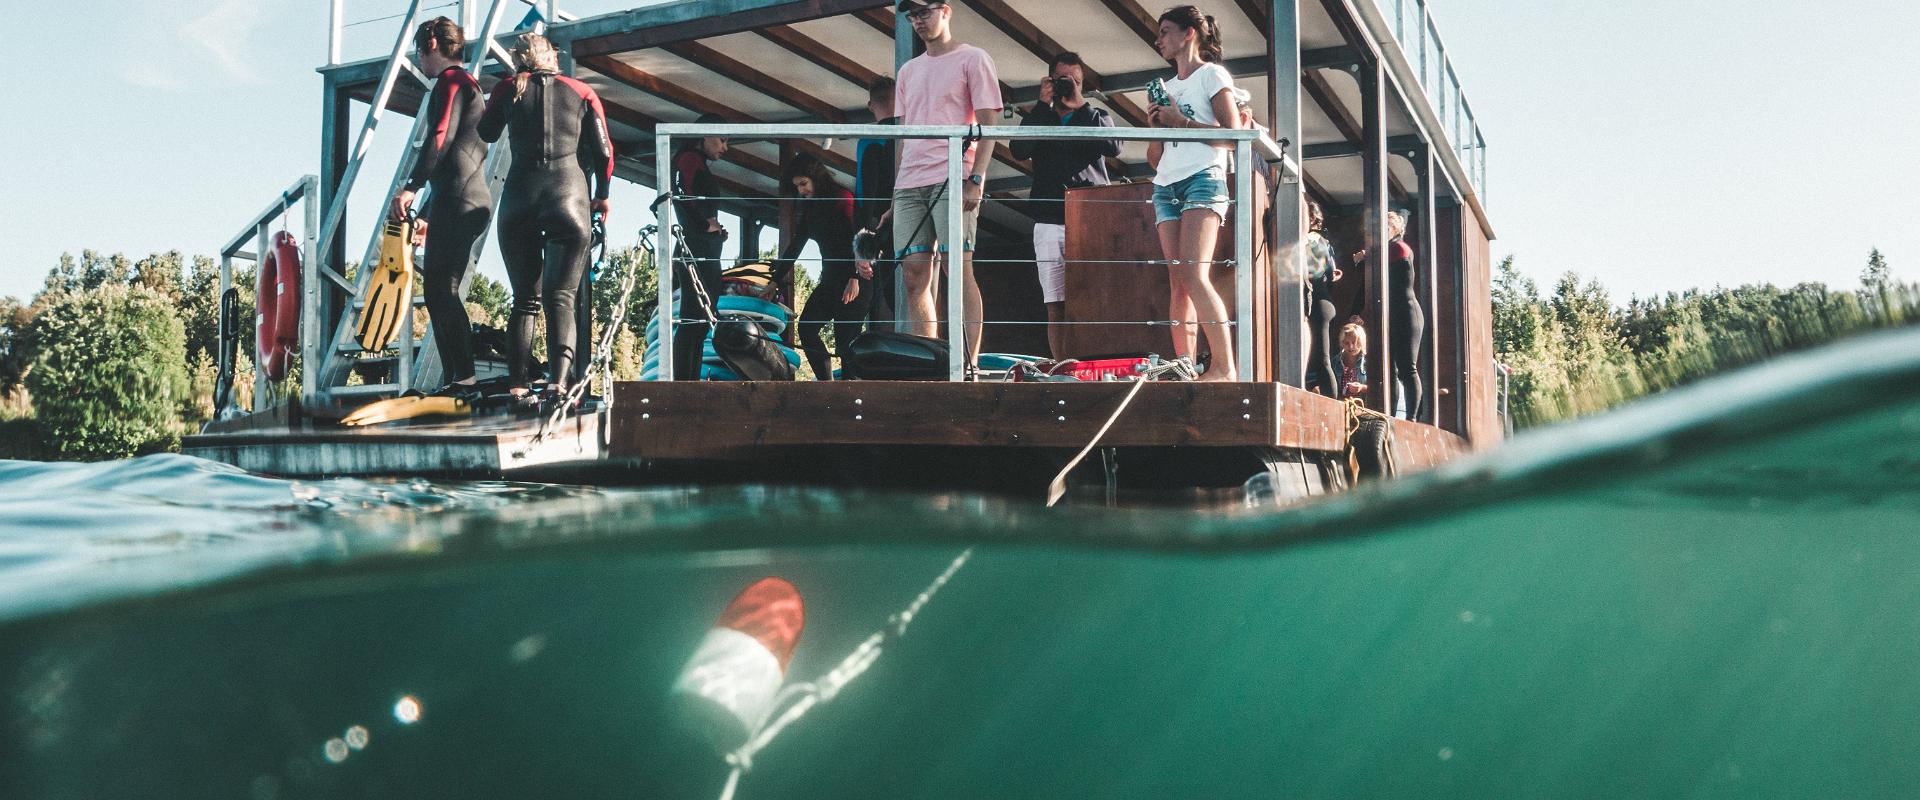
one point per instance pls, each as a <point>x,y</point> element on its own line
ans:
<point>115,356</point>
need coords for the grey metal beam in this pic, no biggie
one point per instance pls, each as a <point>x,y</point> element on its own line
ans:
<point>1290,338</point>
<point>1373,122</point>
<point>1407,146</point>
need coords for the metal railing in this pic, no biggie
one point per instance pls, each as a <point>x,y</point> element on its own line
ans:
<point>259,230</point>
<point>1245,143</point>
<point>1411,23</point>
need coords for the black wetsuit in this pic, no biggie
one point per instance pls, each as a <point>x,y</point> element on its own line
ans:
<point>559,139</point>
<point>873,195</point>
<point>692,179</point>
<point>827,220</point>
<point>452,160</point>
<point>1406,326</point>
<point>1321,317</point>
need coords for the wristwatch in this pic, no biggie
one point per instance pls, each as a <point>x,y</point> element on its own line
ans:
<point>977,179</point>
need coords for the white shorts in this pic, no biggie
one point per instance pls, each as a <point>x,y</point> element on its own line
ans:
<point>1050,255</point>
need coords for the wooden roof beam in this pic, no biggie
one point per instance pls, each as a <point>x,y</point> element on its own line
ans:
<point>804,46</point>
<point>1029,36</point>
<point>1135,18</point>
<point>647,26</point>
<point>644,81</point>
<point>754,79</point>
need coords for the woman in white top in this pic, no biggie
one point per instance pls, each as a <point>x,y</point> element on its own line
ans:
<point>1190,181</point>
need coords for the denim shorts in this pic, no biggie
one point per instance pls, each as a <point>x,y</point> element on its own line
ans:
<point>1204,189</point>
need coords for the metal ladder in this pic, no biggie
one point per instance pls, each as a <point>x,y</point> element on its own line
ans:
<point>413,364</point>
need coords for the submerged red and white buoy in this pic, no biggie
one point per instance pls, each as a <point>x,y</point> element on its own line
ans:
<point>727,689</point>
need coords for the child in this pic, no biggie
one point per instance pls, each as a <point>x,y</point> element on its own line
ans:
<point>1353,360</point>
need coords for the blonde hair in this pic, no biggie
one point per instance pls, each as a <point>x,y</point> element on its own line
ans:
<point>1357,333</point>
<point>534,54</point>
<point>1396,225</point>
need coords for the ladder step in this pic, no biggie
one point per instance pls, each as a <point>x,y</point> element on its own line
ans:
<point>364,389</point>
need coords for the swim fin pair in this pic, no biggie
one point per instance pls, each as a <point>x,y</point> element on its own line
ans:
<point>409,407</point>
<point>389,292</point>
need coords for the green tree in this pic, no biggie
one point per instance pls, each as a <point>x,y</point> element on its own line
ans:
<point>1876,276</point>
<point>109,375</point>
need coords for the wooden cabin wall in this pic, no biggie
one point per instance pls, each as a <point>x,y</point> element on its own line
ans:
<point>1010,292</point>
<point>1104,236</point>
<point>1483,416</point>
<point>1445,326</point>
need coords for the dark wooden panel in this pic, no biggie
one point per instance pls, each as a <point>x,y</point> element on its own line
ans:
<point>689,420</point>
<point>1476,317</point>
<point>1417,447</point>
<point>1109,228</point>
<point>1449,402</point>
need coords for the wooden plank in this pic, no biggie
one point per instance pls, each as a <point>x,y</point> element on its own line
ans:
<point>644,81</point>
<point>879,19</point>
<point>740,73</point>
<point>710,420</point>
<point>1255,13</point>
<point>1136,19</point>
<point>717,22</point>
<point>826,58</point>
<point>1036,41</point>
<point>1417,447</point>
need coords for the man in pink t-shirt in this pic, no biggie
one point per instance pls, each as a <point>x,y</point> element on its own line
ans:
<point>950,84</point>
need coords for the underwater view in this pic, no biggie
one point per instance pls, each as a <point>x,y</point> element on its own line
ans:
<point>1708,593</point>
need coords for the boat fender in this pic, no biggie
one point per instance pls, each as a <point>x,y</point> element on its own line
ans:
<point>727,690</point>
<point>1367,449</point>
<point>277,307</point>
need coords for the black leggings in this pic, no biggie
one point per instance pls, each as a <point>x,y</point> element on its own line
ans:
<point>544,232</point>
<point>1323,330</point>
<point>824,306</point>
<point>452,228</point>
<point>690,338</point>
<point>1408,326</point>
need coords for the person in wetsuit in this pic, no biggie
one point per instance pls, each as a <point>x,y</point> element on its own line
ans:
<point>559,139</point>
<point>1321,273</point>
<point>873,204</point>
<point>842,295</point>
<point>699,216</point>
<point>1406,324</point>
<point>451,159</point>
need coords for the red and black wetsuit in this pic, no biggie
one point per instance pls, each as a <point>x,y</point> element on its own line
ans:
<point>827,220</point>
<point>559,139</point>
<point>1406,325</point>
<point>452,159</point>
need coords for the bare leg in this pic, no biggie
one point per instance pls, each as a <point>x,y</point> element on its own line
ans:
<point>1199,231</point>
<point>922,316</point>
<point>972,311</point>
<point>1056,315</point>
<point>1179,306</point>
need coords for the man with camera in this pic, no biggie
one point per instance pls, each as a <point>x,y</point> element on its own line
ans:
<point>1058,165</point>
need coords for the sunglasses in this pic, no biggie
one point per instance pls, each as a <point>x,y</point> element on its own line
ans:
<point>922,13</point>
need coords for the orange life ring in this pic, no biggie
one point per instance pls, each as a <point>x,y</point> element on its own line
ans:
<point>277,304</point>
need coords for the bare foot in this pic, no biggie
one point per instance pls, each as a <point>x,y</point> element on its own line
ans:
<point>1218,376</point>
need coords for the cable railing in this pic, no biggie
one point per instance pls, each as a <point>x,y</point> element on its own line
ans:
<point>1247,146</point>
<point>1412,25</point>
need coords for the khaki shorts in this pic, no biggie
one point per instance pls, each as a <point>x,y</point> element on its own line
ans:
<point>920,220</point>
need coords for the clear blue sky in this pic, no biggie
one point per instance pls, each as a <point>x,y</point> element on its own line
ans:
<point>1651,145</point>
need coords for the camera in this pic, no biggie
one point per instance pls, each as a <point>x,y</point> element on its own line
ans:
<point>1062,87</point>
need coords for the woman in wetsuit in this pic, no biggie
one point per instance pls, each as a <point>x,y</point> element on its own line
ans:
<point>451,159</point>
<point>700,229</point>
<point>1406,324</point>
<point>1321,273</point>
<point>842,295</point>
<point>559,139</point>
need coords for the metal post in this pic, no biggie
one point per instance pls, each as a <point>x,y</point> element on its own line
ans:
<point>311,357</point>
<point>388,77</point>
<point>955,261</point>
<point>1373,156</point>
<point>1427,260</point>
<point>1289,274</point>
<point>226,282</point>
<point>335,16</point>
<point>260,242</point>
<point>663,265</point>
<point>1243,322</point>
<point>905,47</point>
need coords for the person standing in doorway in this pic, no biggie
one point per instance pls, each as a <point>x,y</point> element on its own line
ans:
<point>873,205</point>
<point>1406,323</point>
<point>698,212</point>
<point>840,296</point>
<point>1058,166</point>
<point>950,84</point>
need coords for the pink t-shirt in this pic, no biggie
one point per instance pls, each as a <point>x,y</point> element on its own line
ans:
<point>943,90</point>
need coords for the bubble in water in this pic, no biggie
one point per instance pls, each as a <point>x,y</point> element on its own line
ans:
<point>1467,617</point>
<point>1446,754</point>
<point>525,649</point>
<point>336,750</point>
<point>357,737</point>
<point>407,710</point>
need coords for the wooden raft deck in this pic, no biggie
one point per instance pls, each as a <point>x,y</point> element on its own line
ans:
<point>484,447</point>
<point>732,421</point>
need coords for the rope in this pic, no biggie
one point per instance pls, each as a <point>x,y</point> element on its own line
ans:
<point>1179,367</point>
<point>1358,413</point>
<point>806,696</point>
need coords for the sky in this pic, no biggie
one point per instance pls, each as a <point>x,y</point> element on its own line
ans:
<point>1651,145</point>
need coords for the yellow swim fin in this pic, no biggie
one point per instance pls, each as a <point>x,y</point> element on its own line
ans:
<point>389,292</point>
<point>399,408</point>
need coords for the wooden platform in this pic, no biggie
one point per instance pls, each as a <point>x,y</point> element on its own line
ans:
<point>494,447</point>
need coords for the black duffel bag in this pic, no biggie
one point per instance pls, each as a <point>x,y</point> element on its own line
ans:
<point>886,356</point>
